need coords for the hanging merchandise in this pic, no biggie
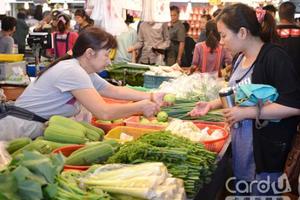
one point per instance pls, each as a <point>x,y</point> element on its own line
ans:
<point>2,7</point>
<point>156,11</point>
<point>107,15</point>
<point>133,5</point>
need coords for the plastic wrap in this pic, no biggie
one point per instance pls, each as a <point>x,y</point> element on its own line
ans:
<point>198,86</point>
<point>5,158</point>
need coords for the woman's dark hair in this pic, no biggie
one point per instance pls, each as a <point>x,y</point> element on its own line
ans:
<point>270,8</point>
<point>94,38</point>
<point>240,15</point>
<point>212,35</point>
<point>186,26</point>
<point>63,21</point>
<point>82,13</point>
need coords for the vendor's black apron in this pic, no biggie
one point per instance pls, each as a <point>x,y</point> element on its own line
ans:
<point>18,112</point>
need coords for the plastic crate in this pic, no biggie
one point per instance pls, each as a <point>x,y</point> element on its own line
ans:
<point>31,70</point>
<point>151,81</point>
<point>132,131</point>
<point>6,68</point>
<point>129,73</point>
<point>134,121</point>
<point>103,74</point>
<point>105,126</point>
<point>11,57</point>
<point>66,151</point>
<point>214,145</point>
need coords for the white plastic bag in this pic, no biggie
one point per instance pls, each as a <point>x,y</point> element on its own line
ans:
<point>107,15</point>
<point>156,11</point>
<point>5,158</point>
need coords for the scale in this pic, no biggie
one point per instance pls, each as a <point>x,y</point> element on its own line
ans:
<point>38,41</point>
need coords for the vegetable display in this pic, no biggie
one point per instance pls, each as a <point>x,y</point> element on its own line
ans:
<point>97,152</point>
<point>30,176</point>
<point>142,181</point>
<point>66,130</point>
<point>183,158</point>
<point>189,130</point>
<point>67,188</point>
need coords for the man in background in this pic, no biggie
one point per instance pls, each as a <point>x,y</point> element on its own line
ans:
<point>289,33</point>
<point>177,37</point>
<point>22,30</point>
<point>125,40</point>
<point>8,27</point>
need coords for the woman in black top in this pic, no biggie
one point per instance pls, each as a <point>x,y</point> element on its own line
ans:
<point>249,33</point>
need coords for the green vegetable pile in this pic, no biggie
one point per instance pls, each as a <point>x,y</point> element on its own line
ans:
<point>30,176</point>
<point>68,188</point>
<point>182,107</point>
<point>183,158</point>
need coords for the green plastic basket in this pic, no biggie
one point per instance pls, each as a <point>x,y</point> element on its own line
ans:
<point>132,74</point>
<point>151,81</point>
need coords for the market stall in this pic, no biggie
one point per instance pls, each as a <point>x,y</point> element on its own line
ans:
<point>144,149</point>
<point>163,153</point>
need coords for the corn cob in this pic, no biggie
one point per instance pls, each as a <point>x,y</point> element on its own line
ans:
<point>16,144</point>
<point>90,154</point>
<point>57,133</point>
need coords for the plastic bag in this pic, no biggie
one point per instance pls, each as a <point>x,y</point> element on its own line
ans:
<point>5,158</point>
<point>2,95</point>
<point>156,11</point>
<point>107,15</point>
<point>198,86</point>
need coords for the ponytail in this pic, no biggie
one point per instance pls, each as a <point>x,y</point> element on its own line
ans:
<point>268,29</point>
<point>212,35</point>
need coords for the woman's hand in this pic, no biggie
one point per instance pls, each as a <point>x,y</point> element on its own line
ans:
<point>130,49</point>
<point>201,109</point>
<point>158,98</point>
<point>234,114</point>
<point>149,108</point>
